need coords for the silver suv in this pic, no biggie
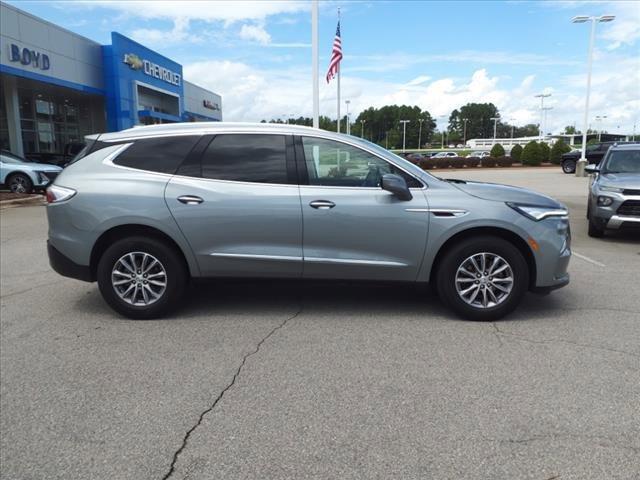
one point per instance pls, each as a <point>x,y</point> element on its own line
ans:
<point>614,194</point>
<point>144,210</point>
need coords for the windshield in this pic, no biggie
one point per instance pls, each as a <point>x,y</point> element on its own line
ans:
<point>623,161</point>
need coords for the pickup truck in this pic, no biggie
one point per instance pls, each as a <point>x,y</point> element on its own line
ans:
<point>595,152</point>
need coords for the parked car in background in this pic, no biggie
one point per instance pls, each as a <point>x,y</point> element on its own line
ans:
<point>23,176</point>
<point>145,209</point>
<point>614,194</point>
<point>60,159</point>
<point>479,154</point>
<point>415,157</point>
<point>445,154</point>
<point>594,153</point>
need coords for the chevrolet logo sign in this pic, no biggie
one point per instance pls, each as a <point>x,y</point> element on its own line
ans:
<point>133,61</point>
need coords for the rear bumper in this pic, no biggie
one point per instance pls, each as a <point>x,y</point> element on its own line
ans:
<point>66,267</point>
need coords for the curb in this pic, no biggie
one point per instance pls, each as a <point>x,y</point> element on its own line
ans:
<point>20,202</point>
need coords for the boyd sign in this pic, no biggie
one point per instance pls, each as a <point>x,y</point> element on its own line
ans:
<point>27,56</point>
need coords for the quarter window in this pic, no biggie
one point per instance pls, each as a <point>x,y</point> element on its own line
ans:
<point>246,158</point>
<point>162,154</point>
<point>335,164</point>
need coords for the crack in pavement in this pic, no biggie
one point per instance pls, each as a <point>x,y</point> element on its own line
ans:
<point>600,440</point>
<point>497,332</point>
<point>516,336</point>
<point>185,439</point>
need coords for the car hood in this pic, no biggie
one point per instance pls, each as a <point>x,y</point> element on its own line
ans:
<point>505,193</point>
<point>40,167</point>
<point>621,180</point>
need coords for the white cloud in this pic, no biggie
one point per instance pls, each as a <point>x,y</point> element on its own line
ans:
<point>226,11</point>
<point>255,33</point>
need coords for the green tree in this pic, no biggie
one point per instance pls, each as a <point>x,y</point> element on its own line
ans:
<point>383,126</point>
<point>497,151</point>
<point>531,154</point>
<point>478,116</point>
<point>545,151</point>
<point>571,130</point>
<point>557,150</point>
<point>516,153</point>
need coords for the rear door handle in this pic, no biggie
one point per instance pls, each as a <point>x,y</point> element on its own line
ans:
<point>190,200</point>
<point>322,204</point>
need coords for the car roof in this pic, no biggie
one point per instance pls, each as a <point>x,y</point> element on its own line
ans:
<point>200,128</point>
<point>626,146</point>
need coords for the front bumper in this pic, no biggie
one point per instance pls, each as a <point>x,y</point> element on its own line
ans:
<point>623,221</point>
<point>66,267</point>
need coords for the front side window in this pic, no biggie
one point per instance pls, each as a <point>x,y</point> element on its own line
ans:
<point>246,158</point>
<point>161,154</point>
<point>335,164</point>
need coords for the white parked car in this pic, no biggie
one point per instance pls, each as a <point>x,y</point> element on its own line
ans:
<point>479,154</point>
<point>445,154</point>
<point>22,176</point>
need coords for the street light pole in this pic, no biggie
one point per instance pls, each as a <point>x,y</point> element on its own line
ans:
<point>420,134</point>
<point>464,135</point>
<point>495,128</point>
<point>404,133</point>
<point>582,19</point>
<point>599,119</point>
<point>541,96</point>
<point>544,124</point>
<point>348,119</point>
<point>362,122</point>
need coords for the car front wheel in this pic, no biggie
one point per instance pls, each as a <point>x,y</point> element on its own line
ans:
<point>20,183</point>
<point>141,278</point>
<point>482,278</point>
<point>569,166</point>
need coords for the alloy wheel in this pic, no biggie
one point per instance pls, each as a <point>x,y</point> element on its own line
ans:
<point>18,184</point>
<point>484,280</point>
<point>139,279</point>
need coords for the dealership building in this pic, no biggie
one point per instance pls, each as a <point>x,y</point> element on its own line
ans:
<point>58,86</point>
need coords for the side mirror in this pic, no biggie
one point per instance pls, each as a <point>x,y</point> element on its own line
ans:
<point>592,168</point>
<point>396,185</point>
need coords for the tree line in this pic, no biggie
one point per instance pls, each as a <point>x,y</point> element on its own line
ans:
<point>382,125</point>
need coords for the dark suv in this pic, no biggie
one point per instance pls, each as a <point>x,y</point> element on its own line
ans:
<point>595,152</point>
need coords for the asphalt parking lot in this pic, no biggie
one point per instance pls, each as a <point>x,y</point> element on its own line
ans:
<point>291,380</point>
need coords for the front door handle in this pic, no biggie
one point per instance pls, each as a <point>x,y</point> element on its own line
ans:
<point>190,199</point>
<point>322,204</point>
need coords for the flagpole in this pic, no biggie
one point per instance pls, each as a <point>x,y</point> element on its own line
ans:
<point>338,123</point>
<point>314,61</point>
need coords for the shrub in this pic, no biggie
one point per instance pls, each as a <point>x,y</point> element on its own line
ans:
<point>488,162</point>
<point>472,162</point>
<point>557,150</point>
<point>545,151</point>
<point>504,161</point>
<point>426,163</point>
<point>531,154</point>
<point>497,151</point>
<point>516,153</point>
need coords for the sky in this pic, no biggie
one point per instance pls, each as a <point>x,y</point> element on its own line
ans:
<point>436,55</point>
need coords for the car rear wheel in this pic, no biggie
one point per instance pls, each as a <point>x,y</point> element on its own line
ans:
<point>141,278</point>
<point>20,183</point>
<point>482,278</point>
<point>569,166</point>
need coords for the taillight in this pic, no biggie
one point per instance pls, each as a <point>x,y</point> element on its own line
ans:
<point>56,193</point>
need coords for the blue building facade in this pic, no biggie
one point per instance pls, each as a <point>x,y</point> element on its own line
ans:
<point>58,86</point>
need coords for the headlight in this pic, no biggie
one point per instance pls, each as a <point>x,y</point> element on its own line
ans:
<point>538,213</point>
<point>604,201</point>
<point>606,188</point>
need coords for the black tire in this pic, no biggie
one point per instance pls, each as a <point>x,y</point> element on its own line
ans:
<point>455,256</point>
<point>568,166</point>
<point>20,183</point>
<point>170,260</point>
<point>594,230</point>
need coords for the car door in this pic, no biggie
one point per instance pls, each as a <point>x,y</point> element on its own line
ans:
<point>237,203</point>
<point>352,228</point>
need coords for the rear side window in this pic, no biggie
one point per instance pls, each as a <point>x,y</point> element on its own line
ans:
<point>246,158</point>
<point>162,154</point>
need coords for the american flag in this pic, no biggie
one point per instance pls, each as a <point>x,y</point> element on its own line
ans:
<point>336,56</point>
